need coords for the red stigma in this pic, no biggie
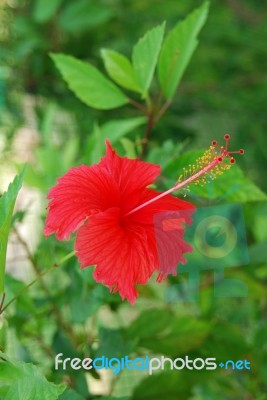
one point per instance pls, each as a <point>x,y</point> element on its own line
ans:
<point>222,151</point>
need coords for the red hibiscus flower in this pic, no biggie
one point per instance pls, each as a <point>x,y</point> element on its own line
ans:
<point>122,225</point>
<point>124,228</point>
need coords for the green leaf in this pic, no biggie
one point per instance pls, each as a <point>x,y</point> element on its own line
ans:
<point>232,185</point>
<point>24,381</point>
<point>112,343</point>
<point>184,335</point>
<point>148,324</point>
<point>89,85</point>
<point>81,15</point>
<point>120,69</point>
<point>257,253</point>
<point>112,130</point>
<point>178,48</point>
<point>7,203</point>
<point>145,56</point>
<point>43,10</point>
<point>170,385</point>
<point>129,147</point>
<point>70,394</point>
<point>114,398</point>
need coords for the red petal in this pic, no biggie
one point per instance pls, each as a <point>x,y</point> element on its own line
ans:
<point>121,253</point>
<point>81,192</point>
<point>164,222</point>
<point>132,176</point>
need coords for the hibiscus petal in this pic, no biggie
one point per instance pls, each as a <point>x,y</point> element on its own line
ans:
<point>132,175</point>
<point>164,221</point>
<point>79,193</point>
<point>121,253</point>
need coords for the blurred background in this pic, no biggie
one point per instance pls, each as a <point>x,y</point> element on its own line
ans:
<point>43,124</point>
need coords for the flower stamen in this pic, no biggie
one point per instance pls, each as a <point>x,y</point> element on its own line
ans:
<point>210,164</point>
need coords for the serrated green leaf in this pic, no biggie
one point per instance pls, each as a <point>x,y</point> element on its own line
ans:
<point>178,48</point>
<point>145,56</point>
<point>23,381</point>
<point>89,84</point>
<point>7,203</point>
<point>120,69</point>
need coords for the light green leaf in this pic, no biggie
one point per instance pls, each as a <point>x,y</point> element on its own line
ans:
<point>120,69</point>
<point>129,147</point>
<point>89,84</point>
<point>7,203</point>
<point>145,56</point>
<point>178,48</point>
<point>23,381</point>
<point>112,130</point>
<point>43,10</point>
<point>232,185</point>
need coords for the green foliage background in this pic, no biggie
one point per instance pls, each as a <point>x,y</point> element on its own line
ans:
<point>224,89</point>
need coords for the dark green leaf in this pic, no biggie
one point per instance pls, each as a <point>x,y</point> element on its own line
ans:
<point>178,48</point>
<point>89,84</point>
<point>70,394</point>
<point>184,334</point>
<point>170,385</point>
<point>149,323</point>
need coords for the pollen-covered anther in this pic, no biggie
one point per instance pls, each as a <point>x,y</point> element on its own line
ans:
<point>214,162</point>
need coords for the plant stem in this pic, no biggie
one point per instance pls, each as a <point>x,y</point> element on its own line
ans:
<point>41,275</point>
<point>149,126</point>
<point>2,301</point>
<point>139,106</point>
<point>162,110</point>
